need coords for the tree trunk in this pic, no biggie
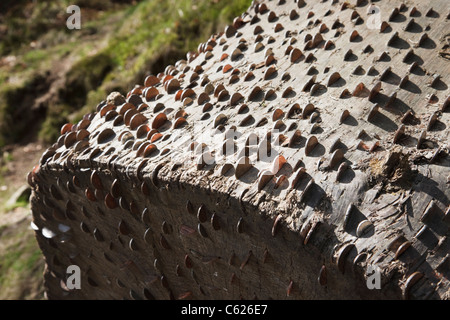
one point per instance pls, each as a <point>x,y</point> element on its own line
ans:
<point>301,154</point>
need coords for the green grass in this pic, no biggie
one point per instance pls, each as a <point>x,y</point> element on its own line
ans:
<point>57,116</point>
<point>119,44</point>
<point>20,203</point>
<point>152,35</point>
<point>14,102</point>
<point>21,264</point>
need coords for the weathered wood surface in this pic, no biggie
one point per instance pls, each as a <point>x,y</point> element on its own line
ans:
<point>352,101</point>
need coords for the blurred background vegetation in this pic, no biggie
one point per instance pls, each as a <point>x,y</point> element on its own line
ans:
<point>50,75</point>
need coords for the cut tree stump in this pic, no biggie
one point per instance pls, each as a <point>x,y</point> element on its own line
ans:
<point>303,153</point>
